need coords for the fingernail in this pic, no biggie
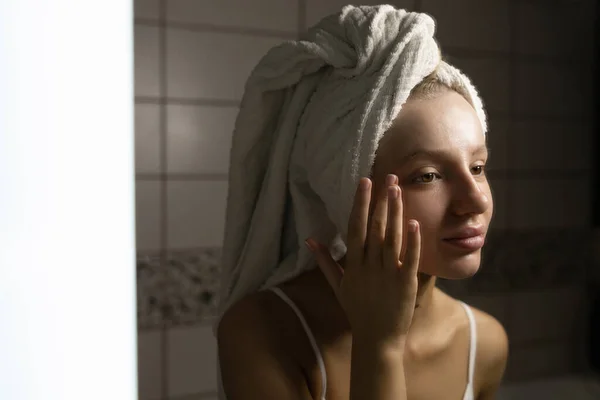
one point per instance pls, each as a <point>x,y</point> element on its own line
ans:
<point>412,225</point>
<point>364,184</point>
<point>309,245</point>
<point>390,179</point>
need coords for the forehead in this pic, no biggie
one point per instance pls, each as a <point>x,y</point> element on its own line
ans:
<point>444,123</point>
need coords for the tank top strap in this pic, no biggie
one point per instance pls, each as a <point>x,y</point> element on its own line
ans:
<point>472,350</point>
<point>309,334</point>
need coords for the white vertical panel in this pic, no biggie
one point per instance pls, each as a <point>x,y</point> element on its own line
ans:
<point>67,256</point>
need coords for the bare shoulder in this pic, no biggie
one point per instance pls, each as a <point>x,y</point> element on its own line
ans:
<point>492,353</point>
<point>245,319</point>
<point>253,358</point>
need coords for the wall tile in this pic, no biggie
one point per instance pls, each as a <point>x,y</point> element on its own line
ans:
<point>494,304</point>
<point>147,138</point>
<point>500,188</point>
<point>545,28</point>
<point>535,204</point>
<point>578,146</point>
<point>197,396</point>
<point>146,9</point>
<point>196,212</point>
<point>199,138</point>
<point>150,364</point>
<point>548,315</point>
<point>472,24</point>
<point>192,360</point>
<point>576,387</point>
<point>551,145</point>
<point>497,141</point>
<point>281,15</point>
<point>549,203</point>
<point>318,9</point>
<point>190,286</point>
<point>147,65</point>
<point>212,65</point>
<point>147,218</point>
<point>539,360</point>
<point>578,202</point>
<point>490,77</point>
<point>553,90</point>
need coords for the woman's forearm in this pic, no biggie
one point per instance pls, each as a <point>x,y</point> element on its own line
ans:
<point>377,372</point>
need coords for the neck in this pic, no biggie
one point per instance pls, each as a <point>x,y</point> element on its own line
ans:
<point>424,301</point>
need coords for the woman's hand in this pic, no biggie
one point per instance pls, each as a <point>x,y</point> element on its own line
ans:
<point>376,290</point>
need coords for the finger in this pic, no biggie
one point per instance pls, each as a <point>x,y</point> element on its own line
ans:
<point>413,248</point>
<point>358,223</point>
<point>394,228</point>
<point>331,269</point>
<point>378,222</point>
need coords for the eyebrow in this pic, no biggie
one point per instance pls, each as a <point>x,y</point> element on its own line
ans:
<point>439,153</point>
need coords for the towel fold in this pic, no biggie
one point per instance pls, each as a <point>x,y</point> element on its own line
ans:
<point>311,117</point>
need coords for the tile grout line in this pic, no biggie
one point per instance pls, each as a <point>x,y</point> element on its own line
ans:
<point>164,345</point>
<point>222,29</point>
<point>301,24</point>
<point>496,114</point>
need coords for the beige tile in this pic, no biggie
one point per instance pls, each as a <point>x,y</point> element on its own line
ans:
<point>555,90</point>
<point>279,15</point>
<point>551,145</point>
<point>497,141</point>
<point>490,77</point>
<point>550,315</point>
<point>147,65</point>
<point>146,9</point>
<point>473,24</point>
<point>199,138</point>
<point>539,360</point>
<point>147,138</point>
<point>192,360</point>
<point>547,29</point>
<point>500,188</point>
<point>212,65</point>
<point>544,203</point>
<point>150,365</point>
<point>147,218</point>
<point>318,9</point>
<point>196,212</point>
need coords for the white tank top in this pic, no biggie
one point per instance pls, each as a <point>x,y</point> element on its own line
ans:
<point>469,394</point>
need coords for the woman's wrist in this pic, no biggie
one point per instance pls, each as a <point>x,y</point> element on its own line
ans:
<point>386,349</point>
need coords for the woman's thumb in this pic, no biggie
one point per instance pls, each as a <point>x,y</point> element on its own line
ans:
<point>331,269</point>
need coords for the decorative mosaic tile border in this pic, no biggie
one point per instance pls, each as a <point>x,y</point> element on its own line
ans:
<point>182,288</point>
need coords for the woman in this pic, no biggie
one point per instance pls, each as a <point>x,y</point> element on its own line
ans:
<point>371,324</point>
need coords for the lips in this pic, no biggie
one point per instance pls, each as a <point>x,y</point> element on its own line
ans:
<point>467,238</point>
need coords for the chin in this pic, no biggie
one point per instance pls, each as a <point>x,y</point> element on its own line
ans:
<point>455,268</point>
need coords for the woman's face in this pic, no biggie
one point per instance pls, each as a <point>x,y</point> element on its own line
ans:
<point>438,151</point>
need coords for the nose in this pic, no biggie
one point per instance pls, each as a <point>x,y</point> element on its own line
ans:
<point>471,196</point>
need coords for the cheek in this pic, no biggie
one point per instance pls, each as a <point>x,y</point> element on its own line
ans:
<point>425,207</point>
<point>490,200</point>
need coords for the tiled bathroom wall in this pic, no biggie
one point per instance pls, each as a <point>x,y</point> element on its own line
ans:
<point>191,61</point>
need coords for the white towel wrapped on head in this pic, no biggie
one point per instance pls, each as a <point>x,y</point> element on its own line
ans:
<point>310,121</point>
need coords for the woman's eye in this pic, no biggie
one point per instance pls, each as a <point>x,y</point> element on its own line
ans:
<point>426,178</point>
<point>478,170</point>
